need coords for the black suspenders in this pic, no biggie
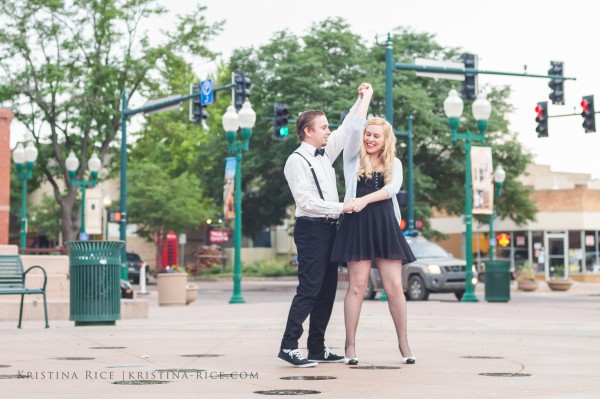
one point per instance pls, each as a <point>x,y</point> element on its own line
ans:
<point>313,173</point>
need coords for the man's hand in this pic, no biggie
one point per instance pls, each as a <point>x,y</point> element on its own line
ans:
<point>348,206</point>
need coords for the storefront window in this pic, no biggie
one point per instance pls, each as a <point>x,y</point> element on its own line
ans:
<point>592,261</point>
<point>575,252</point>
<point>521,248</point>
<point>539,253</point>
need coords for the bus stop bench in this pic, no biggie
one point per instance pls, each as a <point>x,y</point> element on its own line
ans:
<point>12,281</point>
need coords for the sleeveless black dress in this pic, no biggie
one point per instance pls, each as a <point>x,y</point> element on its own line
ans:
<point>373,232</point>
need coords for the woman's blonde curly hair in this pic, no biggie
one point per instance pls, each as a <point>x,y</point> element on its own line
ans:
<point>387,153</point>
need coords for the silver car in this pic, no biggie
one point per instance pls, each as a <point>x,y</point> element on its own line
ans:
<point>434,271</point>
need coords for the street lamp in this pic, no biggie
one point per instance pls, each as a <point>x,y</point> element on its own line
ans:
<point>24,158</point>
<point>72,164</point>
<point>231,122</point>
<point>453,107</point>
<point>499,176</point>
<point>107,201</point>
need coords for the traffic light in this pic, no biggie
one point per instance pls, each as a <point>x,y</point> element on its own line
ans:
<point>280,120</point>
<point>557,95</point>
<point>542,119</point>
<point>242,89</point>
<point>115,217</point>
<point>469,86</point>
<point>589,116</point>
<point>199,111</point>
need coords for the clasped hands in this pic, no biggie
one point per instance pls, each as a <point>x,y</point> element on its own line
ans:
<point>354,205</point>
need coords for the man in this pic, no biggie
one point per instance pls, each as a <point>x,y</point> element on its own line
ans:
<point>311,177</point>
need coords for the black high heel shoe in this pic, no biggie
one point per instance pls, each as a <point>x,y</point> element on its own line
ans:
<point>351,361</point>
<point>409,360</point>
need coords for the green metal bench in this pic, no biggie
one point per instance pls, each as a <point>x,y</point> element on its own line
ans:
<point>12,281</point>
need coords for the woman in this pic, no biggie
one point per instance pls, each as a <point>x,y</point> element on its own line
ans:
<point>373,177</point>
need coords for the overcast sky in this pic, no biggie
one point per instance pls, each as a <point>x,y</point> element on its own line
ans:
<point>506,35</point>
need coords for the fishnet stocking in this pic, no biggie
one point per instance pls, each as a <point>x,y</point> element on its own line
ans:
<point>358,280</point>
<point>391,276</point>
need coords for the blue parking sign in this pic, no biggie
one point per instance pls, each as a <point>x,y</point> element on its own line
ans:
<point>83,236</point>
<point>206,96</point>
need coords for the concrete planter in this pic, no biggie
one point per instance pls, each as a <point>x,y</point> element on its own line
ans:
<point>191,293</point>
<point>559,285</point>
<point>171,289</point>
<point>527,284</point>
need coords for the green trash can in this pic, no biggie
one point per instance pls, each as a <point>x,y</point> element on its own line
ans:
<point>497,281</point>
<point>95,274</point>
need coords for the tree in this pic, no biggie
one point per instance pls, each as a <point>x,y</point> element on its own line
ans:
<point>322,70</point>
<point>159,203</point>
<point>65,82</point>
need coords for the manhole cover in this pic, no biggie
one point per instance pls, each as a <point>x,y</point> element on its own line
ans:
<point>13,376</point>
<point>288,392</point>
<point>375,367</point>
<point>74,358</point>
<point>180,371</point>
<point>482,357</point>
<point>141,382</point>
<point>309,377</point>
<point>201,355</point>
<point>108,347</point>
<point>505,374</point>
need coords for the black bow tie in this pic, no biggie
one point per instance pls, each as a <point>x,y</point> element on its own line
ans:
<point>320,151</point>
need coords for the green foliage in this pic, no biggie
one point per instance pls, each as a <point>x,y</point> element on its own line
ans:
<point>159,203</point>
<point>45,218</point>
<point>261,268</point>
<point>322,70</point>
<point>270,268</point>
<point>65,65</point>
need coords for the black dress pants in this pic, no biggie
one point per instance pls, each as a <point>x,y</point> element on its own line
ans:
<point>317,283</point>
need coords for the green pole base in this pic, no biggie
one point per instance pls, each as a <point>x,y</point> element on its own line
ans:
<point>237,299</point>
<point>383,297</point>
<point>469,297</point>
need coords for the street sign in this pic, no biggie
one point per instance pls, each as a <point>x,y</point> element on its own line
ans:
<point>83,236</point>
<point>216,236</point>
<point>182,239</point>
<point>206,96</point>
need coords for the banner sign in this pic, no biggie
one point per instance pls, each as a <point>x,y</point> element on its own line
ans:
<point>229,189</point>
<point>483,184</point>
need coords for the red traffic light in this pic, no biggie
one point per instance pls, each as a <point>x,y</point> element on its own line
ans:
<point>402,224</point>
<point>419,224</point>
<point>115,217</point>
<point>585,105</point>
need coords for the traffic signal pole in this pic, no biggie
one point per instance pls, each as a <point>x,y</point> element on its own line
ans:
<point>126,113</point>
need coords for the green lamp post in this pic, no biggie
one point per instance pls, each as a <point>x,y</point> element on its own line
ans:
<point>232,120</point>
<point>499,176</point>
<point>94,165</point>
<point>25,159</point>
<point>453,107</point>
<point>107,201</point>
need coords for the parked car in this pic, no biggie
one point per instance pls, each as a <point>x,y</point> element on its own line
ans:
<point>434,271</point>
<point>135,263</point>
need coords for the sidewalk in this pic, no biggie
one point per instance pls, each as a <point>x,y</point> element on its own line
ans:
<point>229,351</point>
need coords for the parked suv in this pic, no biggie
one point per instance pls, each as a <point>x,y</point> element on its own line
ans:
<point>434,271</point>
<point>134,264</point>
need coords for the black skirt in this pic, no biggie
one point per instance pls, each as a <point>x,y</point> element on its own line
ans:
<point>373,232</point>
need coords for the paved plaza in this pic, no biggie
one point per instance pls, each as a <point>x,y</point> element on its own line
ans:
<point>541,344</point>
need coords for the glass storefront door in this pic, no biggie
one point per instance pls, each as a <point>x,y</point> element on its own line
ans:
<point>556,259</point>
